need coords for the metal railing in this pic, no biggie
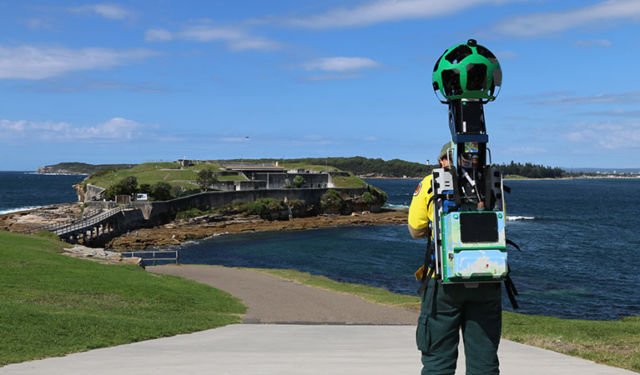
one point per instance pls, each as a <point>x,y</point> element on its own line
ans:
<point>85,223</point>
<point>87,214</point>
<point>154,256</point>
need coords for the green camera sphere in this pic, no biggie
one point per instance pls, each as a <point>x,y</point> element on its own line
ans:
<point>467,71</point>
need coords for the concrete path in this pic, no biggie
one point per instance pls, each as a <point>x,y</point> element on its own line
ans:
<point>270,299</point>
<point>340,334</point>
<point>252,349</point>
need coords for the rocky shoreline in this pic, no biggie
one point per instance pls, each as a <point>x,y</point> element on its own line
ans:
<point>177,233</point>
<point>36,219</point>
<point>180,231</point>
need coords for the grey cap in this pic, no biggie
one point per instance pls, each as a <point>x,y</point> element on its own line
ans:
<point>446,148</point>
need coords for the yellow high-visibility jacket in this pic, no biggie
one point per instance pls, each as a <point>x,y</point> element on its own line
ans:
<point>421,212</point>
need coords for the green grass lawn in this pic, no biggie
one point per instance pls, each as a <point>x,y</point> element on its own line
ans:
<point>615,343</point>
<point>170,172</point>
<point>310,167</point>
<point>349,182</point>
<point>148,173</point>
<point>151,173</point>
<point>51,304</point>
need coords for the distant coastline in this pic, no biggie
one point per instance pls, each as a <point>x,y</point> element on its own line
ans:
<point>59,173</point>
<point>509,178</point>
<point>604,177</point>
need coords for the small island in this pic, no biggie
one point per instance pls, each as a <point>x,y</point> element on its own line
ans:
<point>136,206</point>
<point>170,202</point>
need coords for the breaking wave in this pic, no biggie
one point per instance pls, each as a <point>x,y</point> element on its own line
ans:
<point>520,218</point>
<point>12,210</point>
<point>396,206</point>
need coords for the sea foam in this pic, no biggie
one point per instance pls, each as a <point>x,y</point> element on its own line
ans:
<point>520,218</point>
<point>12,210</point>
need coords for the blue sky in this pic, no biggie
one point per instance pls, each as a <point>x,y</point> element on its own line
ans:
<point>139,81</point>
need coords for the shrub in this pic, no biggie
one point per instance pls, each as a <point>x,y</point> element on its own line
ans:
<point>298,181</point>
<point>206,178</point>
<point>331,202</point>
<point>145,188</point>
<point>103,172</point>
<point>379,195</point>
<point>266,208</point>
<point>368,198</point>
<point>126,186</point>
<point>371,200</point>
<point>161,191</point>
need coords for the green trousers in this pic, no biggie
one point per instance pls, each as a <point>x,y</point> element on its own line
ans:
<point>448,309</point>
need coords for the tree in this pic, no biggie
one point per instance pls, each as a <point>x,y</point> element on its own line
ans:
<point>298,181</point>
<point>129,185</point>
<point>126,186</point>
<point>144,188</point>
<point>531,170</point>
<point>206,178</point>
<point>161,191</point>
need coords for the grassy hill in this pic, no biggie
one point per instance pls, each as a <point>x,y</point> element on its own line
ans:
<point>51,304</point>
<point>151,173</point>
<point>186,177</point>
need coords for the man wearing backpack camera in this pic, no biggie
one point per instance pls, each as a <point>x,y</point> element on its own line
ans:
<point>446,309</point>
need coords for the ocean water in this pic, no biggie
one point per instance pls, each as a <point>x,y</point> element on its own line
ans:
<point>20,190</point>
<point>580,241</point>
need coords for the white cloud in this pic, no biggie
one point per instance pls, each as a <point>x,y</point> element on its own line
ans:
<point>28,62</point>
<point>158,35</point>
<point>341,64</point>
<point>594,43</point>
<point>83,84</point>
<point>236,39</point>
<point>38,24</point>
<point>610,136</point>
<point>613,113</point>
<point>331,77</point>
<point>623,98</point>
<point>552,22</point>
<point>379,11</point>
<point>115,129</point>
<point>206,33</point>
<point>108,11</point>
<point>252,43</point>
<point>235,139</point>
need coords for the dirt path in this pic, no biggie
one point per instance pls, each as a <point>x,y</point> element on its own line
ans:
<point>270,299</point>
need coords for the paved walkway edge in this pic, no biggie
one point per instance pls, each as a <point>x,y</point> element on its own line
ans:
<point>264,349</point>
